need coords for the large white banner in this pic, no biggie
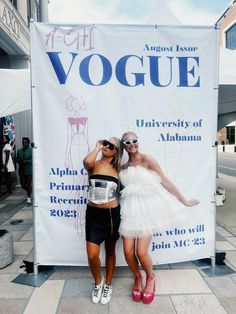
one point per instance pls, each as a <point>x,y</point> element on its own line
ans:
<point>93,82</point>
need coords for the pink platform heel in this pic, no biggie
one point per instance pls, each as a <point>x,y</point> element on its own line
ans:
<point>136,292</point>
<point>148,296</point>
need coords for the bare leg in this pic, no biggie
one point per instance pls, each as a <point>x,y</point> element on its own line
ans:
<point>145,260</point>
<point>131,259</point>
<point>93,251</point>
<point>110,259</point>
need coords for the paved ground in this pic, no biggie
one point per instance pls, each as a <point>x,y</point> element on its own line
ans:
<point>181,288</point>
<point>226,215</point>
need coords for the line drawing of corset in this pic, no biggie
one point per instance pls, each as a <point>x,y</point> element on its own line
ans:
<point>77,121</point>
<point>77,148</point>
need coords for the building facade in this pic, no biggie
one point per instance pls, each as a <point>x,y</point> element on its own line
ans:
<point>227,23</point>
<point>15,16</point>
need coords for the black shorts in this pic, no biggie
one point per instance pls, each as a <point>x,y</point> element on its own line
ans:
<point>102,224</point>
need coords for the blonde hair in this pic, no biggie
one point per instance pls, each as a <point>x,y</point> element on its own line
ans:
<point>125,134</point>
<point>116,160</point>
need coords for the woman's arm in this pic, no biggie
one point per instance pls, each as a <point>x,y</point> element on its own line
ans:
<point>7,152</point>
<point>18,158</point>
<point>90,159</point>
<point>167,184</point>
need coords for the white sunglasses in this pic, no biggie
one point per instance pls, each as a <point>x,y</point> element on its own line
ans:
<point>128,143</point>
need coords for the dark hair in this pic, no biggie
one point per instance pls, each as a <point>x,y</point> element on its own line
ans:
<point>7,137</point>
<point>26,139</point>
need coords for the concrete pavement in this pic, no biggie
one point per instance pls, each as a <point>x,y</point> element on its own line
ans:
<point>226,215</point>
<point>181,287</point>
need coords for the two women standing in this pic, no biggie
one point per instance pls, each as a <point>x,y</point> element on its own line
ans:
<point>149,203</point>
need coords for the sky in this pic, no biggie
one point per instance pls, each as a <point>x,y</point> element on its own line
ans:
<point>190,12</point>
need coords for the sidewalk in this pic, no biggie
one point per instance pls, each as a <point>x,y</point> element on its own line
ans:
<point>226,215</point>
<point>181,288</point>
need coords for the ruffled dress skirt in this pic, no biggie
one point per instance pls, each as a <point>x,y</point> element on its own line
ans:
<point>146,206</point>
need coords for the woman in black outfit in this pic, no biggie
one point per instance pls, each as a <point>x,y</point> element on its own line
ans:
<point>103,213</point>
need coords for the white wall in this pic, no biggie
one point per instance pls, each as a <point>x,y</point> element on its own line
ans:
<point>22,9</point>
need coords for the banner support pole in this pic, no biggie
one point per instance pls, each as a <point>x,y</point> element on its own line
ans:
<point>213,257</point>
<point>33,165</point>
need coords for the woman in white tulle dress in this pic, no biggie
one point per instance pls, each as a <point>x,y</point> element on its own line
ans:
<point>149,202</point>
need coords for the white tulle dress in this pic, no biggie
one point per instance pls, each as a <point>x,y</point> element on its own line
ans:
<point>146,206</point>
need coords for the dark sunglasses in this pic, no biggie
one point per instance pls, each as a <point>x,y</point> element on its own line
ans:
<point>109,145</point>
<point>127,143</point>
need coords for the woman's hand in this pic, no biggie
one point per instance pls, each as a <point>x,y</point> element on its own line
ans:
<point>90,159</point>
<point>191,202</point>
<point>99,145</point>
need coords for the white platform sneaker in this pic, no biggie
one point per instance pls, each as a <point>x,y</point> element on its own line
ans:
<point>106,294</point>
<point>97,292</point>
